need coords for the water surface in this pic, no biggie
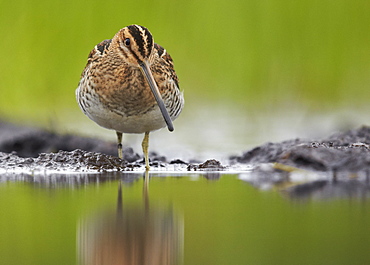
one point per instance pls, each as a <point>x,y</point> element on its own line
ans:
<point>176,219</point>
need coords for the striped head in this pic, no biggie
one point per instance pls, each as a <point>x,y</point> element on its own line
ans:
<point>135,44</point>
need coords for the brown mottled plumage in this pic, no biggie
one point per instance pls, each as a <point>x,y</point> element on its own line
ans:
<point>129,85</point>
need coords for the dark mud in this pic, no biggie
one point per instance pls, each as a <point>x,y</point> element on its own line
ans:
<point>35,149</point>
<point>346,151</point>
<point>336,166</point>
<point>30,142</point>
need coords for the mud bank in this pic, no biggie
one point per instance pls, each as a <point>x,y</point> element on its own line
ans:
<point>35,149</point>
<point>344,151</point>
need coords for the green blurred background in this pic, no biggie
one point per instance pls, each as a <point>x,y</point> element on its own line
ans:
<point>252,54</point>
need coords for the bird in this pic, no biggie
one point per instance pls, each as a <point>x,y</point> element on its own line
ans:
<point>129,85</point>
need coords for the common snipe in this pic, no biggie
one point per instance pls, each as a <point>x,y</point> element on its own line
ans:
<point>129,85</point>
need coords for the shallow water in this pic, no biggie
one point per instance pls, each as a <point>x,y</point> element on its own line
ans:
<point>184,219</point>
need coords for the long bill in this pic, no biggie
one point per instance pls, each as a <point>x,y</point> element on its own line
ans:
<point>157,95</point>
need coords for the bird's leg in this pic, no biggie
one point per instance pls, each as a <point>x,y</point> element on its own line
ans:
<point>145,145</point>
<point>119,144</point>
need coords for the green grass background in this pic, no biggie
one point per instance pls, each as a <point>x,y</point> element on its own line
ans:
<point>251,53</point>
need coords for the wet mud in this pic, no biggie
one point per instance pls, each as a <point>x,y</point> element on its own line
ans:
<point>336,166</point>
<point>36,149</point>
<point>344,151</point>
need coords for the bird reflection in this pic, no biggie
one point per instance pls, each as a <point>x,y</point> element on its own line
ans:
<point>138,235</point>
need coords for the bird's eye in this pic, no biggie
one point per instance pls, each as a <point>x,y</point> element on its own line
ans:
<point>127,42</point>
